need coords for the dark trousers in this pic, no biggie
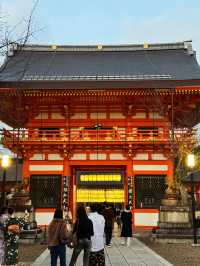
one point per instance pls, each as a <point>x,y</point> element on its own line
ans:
<point>58,251</point>
<point>108,233</point>
<point>83,244</point>
<point>97,258</point>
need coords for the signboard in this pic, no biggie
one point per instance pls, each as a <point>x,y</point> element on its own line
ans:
<point>130,191</point>
<point>65,192</point>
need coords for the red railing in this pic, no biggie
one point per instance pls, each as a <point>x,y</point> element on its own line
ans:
<point>84,135</point>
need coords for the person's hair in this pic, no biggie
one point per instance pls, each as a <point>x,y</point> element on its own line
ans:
<point>94,207</point>
<point>58,214</point>
<point>81,213</point>
<point>3,210</point>
<point>106,205</point>
<point>100,208</point>
<point>11,210</point>
<point>127,207</point>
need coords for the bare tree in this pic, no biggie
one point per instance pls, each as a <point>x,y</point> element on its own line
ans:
<point>10,35</point>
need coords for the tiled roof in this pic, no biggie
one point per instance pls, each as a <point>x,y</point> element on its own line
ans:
<point>172,61</point>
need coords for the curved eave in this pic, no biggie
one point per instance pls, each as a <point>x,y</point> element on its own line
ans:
<point>104,84</point>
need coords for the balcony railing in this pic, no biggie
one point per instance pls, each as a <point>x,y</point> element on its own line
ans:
<point>84,135</point>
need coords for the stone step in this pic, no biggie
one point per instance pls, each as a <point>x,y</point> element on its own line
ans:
<point>174,231</point>
<point>174,225</point>
<point>175,208</point>
<point>175,236</point>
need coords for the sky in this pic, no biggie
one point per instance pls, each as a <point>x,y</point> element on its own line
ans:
<point>107,21</point>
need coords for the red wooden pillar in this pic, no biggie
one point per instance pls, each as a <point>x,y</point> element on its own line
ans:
<point>170,173</point>
<point>26,172</point>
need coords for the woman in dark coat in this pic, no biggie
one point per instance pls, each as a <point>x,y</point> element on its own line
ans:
<point>126,219</point>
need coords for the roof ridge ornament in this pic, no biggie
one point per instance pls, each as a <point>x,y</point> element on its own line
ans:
<point>114,48</point>
<point>188,46</point>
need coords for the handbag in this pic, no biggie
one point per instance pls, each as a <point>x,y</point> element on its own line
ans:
<point>73,240</point>
<point>65,240</point>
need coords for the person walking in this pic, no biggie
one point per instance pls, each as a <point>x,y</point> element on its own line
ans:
<point>97,257</point>
<point>3,218</point>
<point>108,214</point>
<point>126,219</point>
<point>57,233</point>
<point>118,217</point>
<point>84,230</point>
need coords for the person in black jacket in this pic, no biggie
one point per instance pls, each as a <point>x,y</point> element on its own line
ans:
<point>84,230</point>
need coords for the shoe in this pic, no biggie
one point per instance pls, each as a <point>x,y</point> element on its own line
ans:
<point>122,243</point>
<point>109,245</point>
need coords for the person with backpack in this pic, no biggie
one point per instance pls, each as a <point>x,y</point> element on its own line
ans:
<point>57,237</point>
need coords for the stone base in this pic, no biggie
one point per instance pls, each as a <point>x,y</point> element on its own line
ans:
<point>174,225</point>
<point>174,214</point>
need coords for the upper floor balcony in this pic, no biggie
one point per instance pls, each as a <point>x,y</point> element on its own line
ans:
<point>84,135</point>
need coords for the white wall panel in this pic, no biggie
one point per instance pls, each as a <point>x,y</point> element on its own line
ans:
<point>79,116</point>
<point>146,219</point>
<point>41,116</point>
<point>139,115</point>
<point>158,156</point>
<point>37,157</point>
<point>54,156</point>
<point>44,218</point>
<point>116,116</point>
<point>98,115</point>
<point>155,115</point>
<point>141,156</point>
<point>150,167</point>
<point>57,116</point>
<point>117,156</point>
<point>99,156</point>
<point>46,167</point>
<point>79,156</point>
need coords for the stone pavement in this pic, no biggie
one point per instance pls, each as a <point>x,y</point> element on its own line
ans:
<point>137,254</point>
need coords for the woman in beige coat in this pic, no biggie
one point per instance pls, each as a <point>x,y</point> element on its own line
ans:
<point>57,232</point>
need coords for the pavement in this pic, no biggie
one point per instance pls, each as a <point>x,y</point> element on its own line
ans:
<point>138,254</point>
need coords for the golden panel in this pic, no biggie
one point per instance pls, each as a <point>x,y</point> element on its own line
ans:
<point>100,177</point>
<point>100,195</point>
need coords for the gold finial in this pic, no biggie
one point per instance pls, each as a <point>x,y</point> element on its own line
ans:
<point>99,47</point>
<point>145,45</point>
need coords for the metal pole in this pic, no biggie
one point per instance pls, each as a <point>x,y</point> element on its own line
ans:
<point>3,187</point>
<point>193,209</point>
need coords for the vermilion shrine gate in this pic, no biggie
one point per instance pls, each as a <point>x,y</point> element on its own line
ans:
<point>96,123</point>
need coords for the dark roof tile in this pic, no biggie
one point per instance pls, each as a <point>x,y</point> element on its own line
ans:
<point>70,63</point>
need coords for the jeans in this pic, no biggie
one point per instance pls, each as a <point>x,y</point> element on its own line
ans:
<point>83,244</point>
<point>58,251</point>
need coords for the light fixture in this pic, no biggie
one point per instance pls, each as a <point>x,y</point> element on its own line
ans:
<point>191,160</point>
<point>98,126</point>
<point>5,161</point>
